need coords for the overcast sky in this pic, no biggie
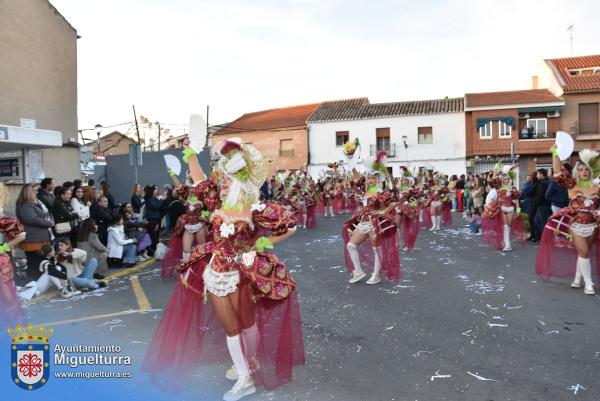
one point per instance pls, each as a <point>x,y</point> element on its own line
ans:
<point>173,57</point>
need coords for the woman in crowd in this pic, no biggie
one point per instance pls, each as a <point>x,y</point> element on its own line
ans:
<point>154,206</point>
<point>121,250</point>
<point>65,218</point>
<point>112,205</point>
<point>88,240</point>
<point>80,273</point>
<point>575,225</point>
<point>137,201</point>
<point>55,274</point>
<point>136,228</point>
<point>79,206</point>
<point>250,292</point>
<point>37,223</point>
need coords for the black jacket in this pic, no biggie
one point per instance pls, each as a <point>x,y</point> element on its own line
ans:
<point>62,212</point>
<point>539,198</point>
<point>136,203</point>
<point>103,218</point>
<point>46,198</point>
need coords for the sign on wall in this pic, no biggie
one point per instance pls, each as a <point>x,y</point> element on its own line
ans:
<point>3,133</point>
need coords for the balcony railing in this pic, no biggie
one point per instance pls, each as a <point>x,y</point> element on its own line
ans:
<point>391,150</point>
<point>537,135</point>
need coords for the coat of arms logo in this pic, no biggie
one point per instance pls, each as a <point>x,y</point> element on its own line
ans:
<point>30,356</point>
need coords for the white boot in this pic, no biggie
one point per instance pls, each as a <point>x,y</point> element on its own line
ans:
<point>375,279</point>
<point>577,281</point>
<point>420,215</point>
<point>244,386</point>
<point>507,246</point>
<point>358,274</point>
<point>433,223</point>
<point>438,219</point>
<point>331,211</point>
<point>185,256</point>
<point>251,337</point>
<point>586,271</point>
<point>305,217</point>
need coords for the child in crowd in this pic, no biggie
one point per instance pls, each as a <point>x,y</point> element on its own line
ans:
<point>122,251</point>
<point>80,273</point>
<point>53,273</point>
<point>474,220</point>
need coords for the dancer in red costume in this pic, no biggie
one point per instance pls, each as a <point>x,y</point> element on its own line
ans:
<point>438,206</point>
<point>251,295</point>
<point>192,227</point>
<point>11,233</point>
<point>502,217</point>
<point>372,224</point>
<point>569,241</point>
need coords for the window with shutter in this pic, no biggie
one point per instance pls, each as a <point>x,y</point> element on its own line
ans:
<point>588,118</point>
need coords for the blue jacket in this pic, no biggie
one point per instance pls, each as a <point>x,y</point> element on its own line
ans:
<point>557,195</point>
<point>153,208</point>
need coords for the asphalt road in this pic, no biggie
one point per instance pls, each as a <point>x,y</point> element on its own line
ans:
<point>465,323</point>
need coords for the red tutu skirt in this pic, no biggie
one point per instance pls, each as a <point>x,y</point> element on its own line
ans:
<point>446,214</point>
<point>311,216</point>
<point>410,231</point>
<point>189,336</point>
<point>557,256</point>
<point>11,311</point>
<point>493,230</point>
<point>338,204</point>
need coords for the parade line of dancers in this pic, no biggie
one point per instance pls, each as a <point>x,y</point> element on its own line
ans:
<point>234,300</point>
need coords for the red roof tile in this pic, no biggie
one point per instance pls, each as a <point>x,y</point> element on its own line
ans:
<point>577,83</point>
<point>285,117</point>
<point>510,97</point>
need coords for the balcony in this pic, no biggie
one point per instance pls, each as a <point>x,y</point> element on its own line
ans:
<point>391,149</point>
<point>536,135</point>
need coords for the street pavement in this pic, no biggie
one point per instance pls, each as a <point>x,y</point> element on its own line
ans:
<point>465,322</point>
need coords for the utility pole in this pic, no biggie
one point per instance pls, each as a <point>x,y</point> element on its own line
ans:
<point>137,129</point>
<point>157,123</point>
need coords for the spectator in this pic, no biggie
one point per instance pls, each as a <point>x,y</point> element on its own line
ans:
<point>37,224</point>
<point>121,250</point>
<point>79,206</point>
<point>106,193</point>
<point>557,195</point>
<point>103,217</point>
<point>523,200</point>
<point>478,195</point>
<point>137,201</point>
<point>528,194</point>
<point>79,272</point>
<point>46,193</point>
<point>53,273</point>
<point>68,185</point>
<point>89,192</point>
<point>175,209</point>
<point>65,218</point>
<point>154,207</point>
<point>88,241</point>
<point>135,228</point>
<point>460,188</point>
<point>474,220</point>
<point>543,206</point>
<point>77,184</point>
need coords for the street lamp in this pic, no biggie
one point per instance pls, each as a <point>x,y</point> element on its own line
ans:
<point>98,128</point>
<point>404,139</point>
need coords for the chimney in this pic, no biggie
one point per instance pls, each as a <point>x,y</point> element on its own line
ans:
<point>534,82</point>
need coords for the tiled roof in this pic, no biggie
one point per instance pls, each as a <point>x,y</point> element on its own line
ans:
<point>510,97</point>
<point>578,83</point>
<point>360,108</point>
<point>285,117</point>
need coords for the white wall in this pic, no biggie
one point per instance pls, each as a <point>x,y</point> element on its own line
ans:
<point>446,154</point>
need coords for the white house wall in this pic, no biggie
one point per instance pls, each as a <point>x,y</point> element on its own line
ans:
<point>446,154</point>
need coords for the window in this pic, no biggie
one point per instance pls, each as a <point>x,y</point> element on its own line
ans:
<point>9,168</point>
<point>425,134</point>
<point>588,118</point>
<point>485,131</point>
<point>505,130</point>
<point>538,127</point>
<point>383,139</point>
<point>286,147</point>
<point>341,137</point>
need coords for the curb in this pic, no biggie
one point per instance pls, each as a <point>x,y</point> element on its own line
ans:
<point>120,273</point>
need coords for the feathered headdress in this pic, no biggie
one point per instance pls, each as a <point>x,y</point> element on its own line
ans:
<point>592,160</point>
<point>377,165</point>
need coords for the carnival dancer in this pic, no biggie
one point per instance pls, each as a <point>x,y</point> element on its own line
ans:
<point>407,212</point>
<point>502,212</point>
<point>252,295</point>
<point>438,204</point>
<point>327,196</point>
<point>11,234</point>
<point>574,226</point>
<point>191,227</point>
<point>373,224</point>
<point>338,201</point>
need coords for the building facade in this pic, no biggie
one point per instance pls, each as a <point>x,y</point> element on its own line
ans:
<point>427,133</point>
<point>281,135</point>
<point>510,127</point>
<point>576,80</point>
<point>38,94</point>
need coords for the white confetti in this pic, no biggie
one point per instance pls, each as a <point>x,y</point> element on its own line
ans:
<point>576,388</point>
<point>438,376</point>
<point>480,377</point>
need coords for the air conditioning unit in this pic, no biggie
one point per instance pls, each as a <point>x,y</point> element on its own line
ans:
<point>555,113</point>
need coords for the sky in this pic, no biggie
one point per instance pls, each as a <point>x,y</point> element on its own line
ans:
<point>172,58</point>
